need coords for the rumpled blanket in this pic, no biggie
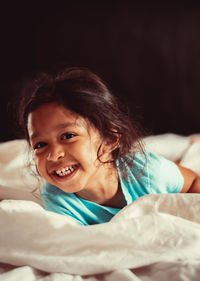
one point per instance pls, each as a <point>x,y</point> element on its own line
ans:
<point>157,237</point>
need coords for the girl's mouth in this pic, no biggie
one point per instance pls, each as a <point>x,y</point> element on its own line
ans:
<point>64,173</point>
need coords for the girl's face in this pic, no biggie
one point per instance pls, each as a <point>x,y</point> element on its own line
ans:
<point>65,148</point>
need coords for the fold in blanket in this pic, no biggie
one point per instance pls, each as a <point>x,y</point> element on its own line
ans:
<point>154,229</point>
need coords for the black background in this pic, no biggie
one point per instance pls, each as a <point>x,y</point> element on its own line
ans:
<point>148,54</point>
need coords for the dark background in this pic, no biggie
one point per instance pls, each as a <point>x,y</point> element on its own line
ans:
<point>148,54</point>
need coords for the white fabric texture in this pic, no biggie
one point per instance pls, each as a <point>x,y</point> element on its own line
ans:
<point>155,238</point>
<point>156,233</point>
<point>18,177</point>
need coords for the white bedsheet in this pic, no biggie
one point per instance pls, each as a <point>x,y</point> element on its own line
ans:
<point>155,238</point>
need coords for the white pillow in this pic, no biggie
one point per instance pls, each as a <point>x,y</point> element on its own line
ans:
<point>18,176</point>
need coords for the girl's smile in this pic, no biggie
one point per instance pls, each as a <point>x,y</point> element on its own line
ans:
<point>65,148</point>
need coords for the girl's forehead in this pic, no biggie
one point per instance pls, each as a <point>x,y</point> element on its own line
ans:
<point>54,116</point>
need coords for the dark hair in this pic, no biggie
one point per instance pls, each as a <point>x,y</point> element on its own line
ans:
<point>84,93</point>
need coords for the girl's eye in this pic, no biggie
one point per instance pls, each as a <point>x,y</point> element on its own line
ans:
<point>67,136</point>
<point>39,145</point>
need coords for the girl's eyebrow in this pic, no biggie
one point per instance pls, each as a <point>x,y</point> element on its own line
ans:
<point>57,127</point>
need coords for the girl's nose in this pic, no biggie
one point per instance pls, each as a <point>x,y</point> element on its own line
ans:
<point>55,153</point>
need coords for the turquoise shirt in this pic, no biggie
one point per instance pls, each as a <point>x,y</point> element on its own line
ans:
<point>148,174</point>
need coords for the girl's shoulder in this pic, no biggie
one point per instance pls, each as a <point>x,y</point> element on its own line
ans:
<point>140,160</point>
<point>150,164</point>
<point>153,173</point>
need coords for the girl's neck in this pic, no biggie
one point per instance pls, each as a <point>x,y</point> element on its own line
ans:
<point>107,190</point>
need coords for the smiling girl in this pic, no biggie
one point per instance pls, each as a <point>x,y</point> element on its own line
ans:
<point>88,150</point>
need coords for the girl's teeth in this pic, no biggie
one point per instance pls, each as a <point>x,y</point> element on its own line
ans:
<point>64,172</point>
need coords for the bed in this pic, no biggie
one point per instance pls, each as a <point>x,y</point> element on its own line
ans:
<point>155,238</point>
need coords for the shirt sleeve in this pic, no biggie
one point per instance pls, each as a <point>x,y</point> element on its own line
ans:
<point>164,175</point>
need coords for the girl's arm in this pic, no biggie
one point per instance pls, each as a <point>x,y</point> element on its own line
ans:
<point>191,180</point>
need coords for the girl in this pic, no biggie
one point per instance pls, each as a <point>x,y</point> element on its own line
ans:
<point>88,151</point>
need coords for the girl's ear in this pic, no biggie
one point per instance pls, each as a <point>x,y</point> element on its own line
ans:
<point>111,143</point>
<point>108,145</point>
